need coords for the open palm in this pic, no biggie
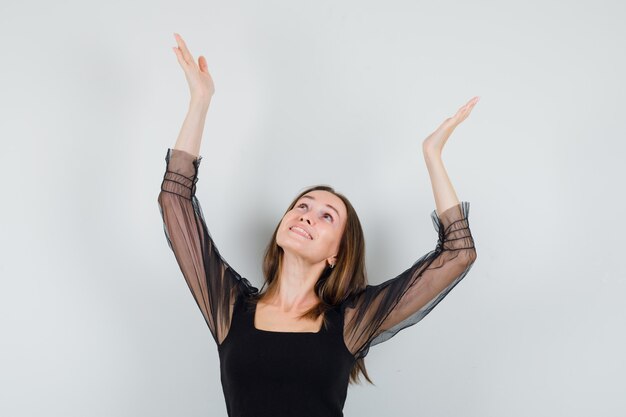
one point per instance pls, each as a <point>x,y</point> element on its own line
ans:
<point>198,77</point>
<point>435,142</point>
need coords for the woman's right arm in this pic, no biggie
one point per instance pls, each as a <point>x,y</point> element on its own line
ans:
<point>213,283</point>
<point>190,136</point>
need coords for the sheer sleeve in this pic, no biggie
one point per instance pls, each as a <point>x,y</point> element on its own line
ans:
<point>213,283</point>
<point>376,313</point>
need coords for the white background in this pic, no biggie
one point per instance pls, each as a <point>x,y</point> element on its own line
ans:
<point>95,316</point>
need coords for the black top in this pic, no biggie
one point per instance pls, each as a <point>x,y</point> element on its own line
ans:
<point>280,374</point>
<point>284,374</point>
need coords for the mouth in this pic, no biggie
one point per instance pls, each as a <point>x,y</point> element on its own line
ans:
<point>301,232</point>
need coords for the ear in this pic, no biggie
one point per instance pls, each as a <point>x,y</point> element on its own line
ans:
<point>332,260</point>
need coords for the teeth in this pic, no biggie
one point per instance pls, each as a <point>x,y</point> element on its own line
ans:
<point>302,230</point>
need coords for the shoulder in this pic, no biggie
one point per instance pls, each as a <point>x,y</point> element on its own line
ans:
<point>246,288</point>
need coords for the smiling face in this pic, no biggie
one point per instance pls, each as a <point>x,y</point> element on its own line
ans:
<point>322,217</point>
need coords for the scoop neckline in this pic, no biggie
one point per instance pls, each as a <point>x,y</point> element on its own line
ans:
<point>279,332</point>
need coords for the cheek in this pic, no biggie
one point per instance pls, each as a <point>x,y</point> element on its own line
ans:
<point>285,220</point>
<point>332,236</point>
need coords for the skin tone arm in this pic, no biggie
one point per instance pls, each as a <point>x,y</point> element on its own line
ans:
<point>202,89</point>
<point>190,135</point>
<point>443,191</point>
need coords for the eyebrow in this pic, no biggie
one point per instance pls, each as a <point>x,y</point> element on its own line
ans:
<point>328,205</point>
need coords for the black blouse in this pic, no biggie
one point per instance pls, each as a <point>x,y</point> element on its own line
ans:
<point>280,374</point>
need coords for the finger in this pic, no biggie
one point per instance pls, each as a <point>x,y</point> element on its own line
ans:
<point>179,57</point>
<point>179,51</point>
<point>202,64</point>
<point>469,105</point>
<point>461,114</point>
<point>471,102</point>
<point>465,111</point>
<point>183,47</point>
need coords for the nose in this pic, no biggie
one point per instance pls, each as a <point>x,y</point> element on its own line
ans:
<point>305,218</point>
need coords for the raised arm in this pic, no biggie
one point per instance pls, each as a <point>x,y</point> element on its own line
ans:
<point>380,311</point>
<point>213,283</point>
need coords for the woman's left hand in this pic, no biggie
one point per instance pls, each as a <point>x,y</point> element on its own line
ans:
<point>435,142</point>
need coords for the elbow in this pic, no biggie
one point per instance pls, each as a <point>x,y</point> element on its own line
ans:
<point>469,252</point>
<point>470,255</point>
<point>465,256</point>
<point>163,201</point>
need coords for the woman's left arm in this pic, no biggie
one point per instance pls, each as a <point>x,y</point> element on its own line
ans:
<point>378,312</point>
<point>432,147</point>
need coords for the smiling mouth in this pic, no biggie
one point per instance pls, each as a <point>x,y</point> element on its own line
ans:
<point>299,231</point>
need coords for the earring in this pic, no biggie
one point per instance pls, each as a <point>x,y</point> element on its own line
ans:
<point>331,266</point>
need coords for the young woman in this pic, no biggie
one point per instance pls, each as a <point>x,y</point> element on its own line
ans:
<point>293,347</point>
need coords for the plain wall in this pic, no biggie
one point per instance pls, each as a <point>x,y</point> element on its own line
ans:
<point>95,316</point>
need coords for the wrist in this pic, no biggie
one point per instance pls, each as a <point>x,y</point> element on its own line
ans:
<point>200,102</point>
<point>431,154</point>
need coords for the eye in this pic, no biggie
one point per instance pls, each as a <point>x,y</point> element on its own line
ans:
<point>326,214</point>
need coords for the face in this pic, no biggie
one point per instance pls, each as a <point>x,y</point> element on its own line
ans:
<point>322,215</point>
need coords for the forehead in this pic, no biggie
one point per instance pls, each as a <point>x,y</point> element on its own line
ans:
<point>326,198</point>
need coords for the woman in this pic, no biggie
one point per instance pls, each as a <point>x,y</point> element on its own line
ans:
<point>292,349</point>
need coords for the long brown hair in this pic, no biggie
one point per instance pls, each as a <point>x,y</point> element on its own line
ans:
<point>334,284</point>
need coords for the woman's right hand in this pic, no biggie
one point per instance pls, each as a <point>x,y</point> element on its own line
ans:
<point>200,82</point>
